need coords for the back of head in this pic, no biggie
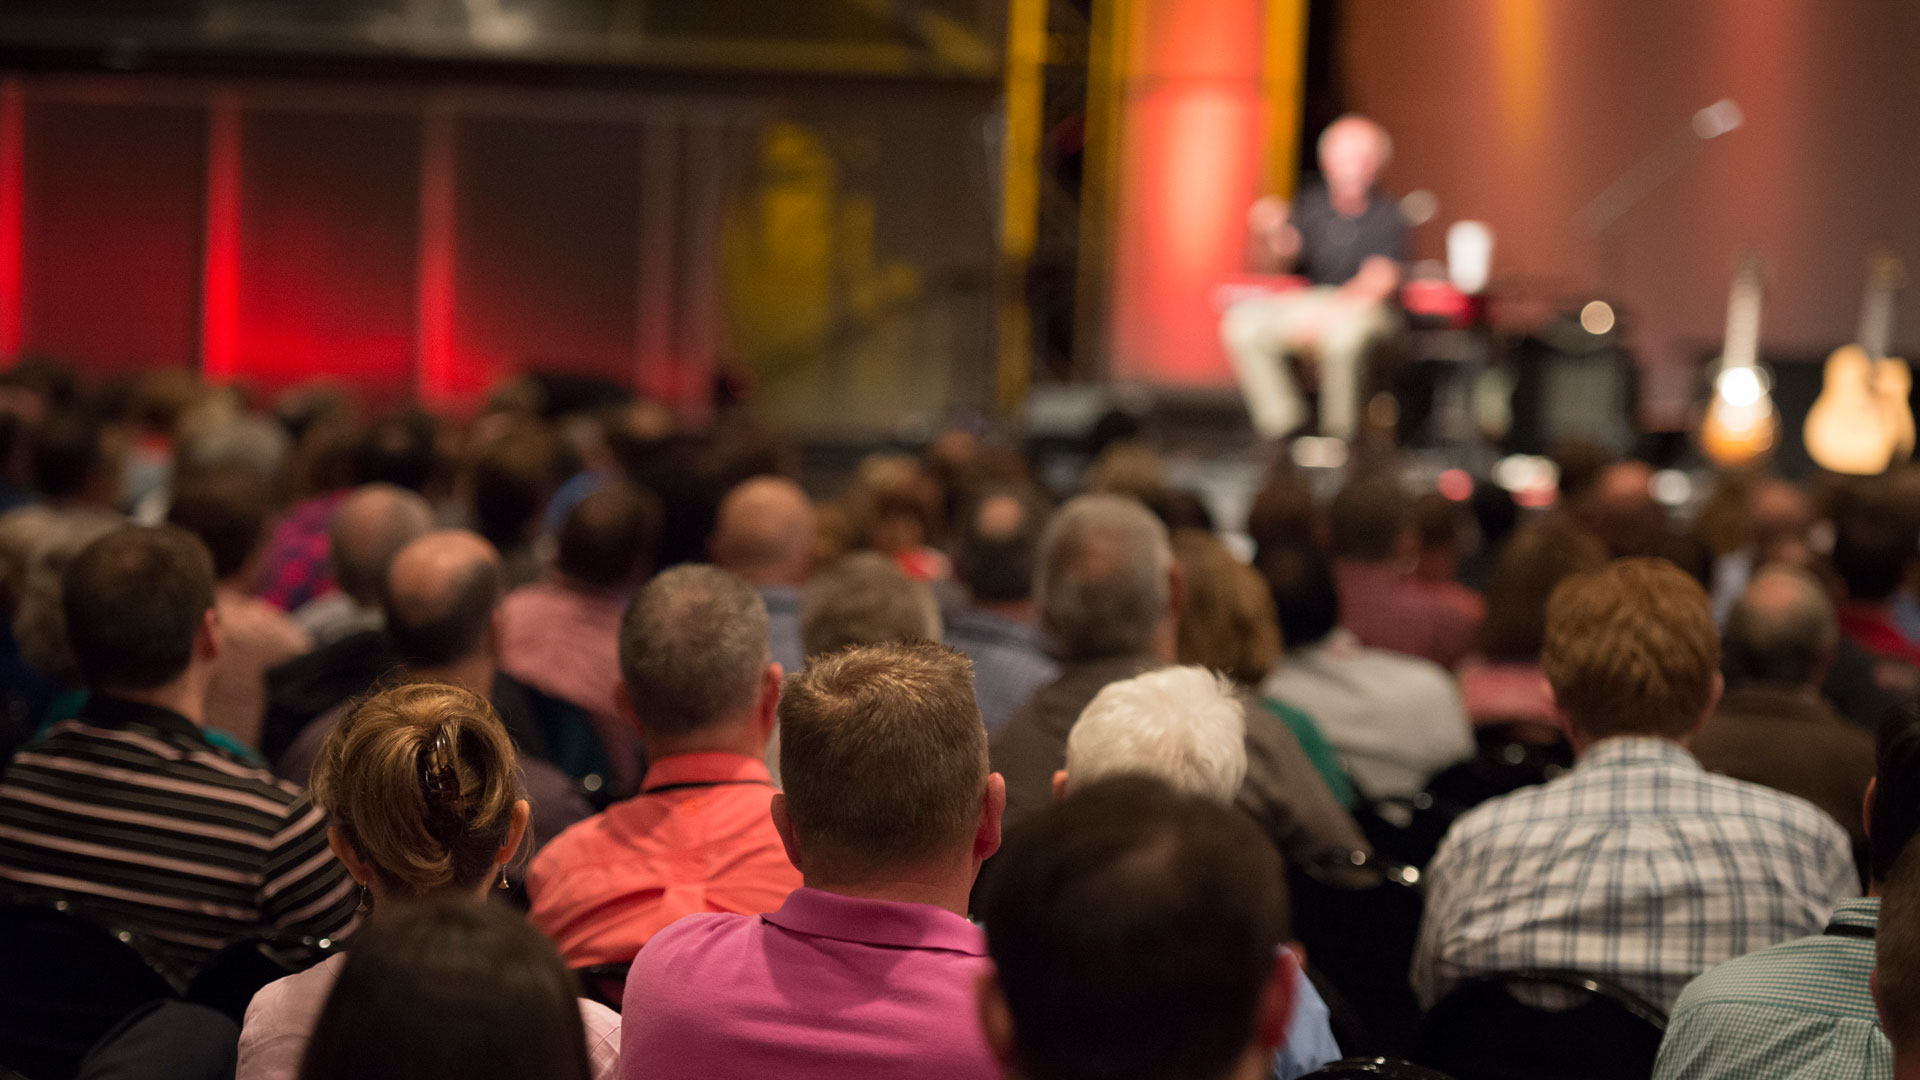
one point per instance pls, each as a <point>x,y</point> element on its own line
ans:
<point>421,780</point>
<point>39,619</point>
<point>1184,726</point>
<point>133,601</point>
<point>397,450</point>
<point>1896,975</point>
<point>1128,468</point>
<point>450,988</point>
<point>225,506</point>
<point>765,531</point>
<point>1227,623</point>
<point>1282,514</point>
<point>999,538</point>
<point>441,593</point>
<point>610,538</point>
<point>1304,598</point>
<point>63,454</point>
<point>1103,577</point>
<point>693,649</point>
<point>884,757</point>
<point>1875,539</point>
<point>1534,561</point>
<point>1134,932</point>
<point>369,528</point>
<point>1368,519</point>
<point>1631,649</point>
<point>513,477</point>
<point>1782,630</point>
<point>865,599</point>
<point>1893,819</point>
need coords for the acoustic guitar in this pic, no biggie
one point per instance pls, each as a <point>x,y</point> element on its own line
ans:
<point>1862,424</point>
<point>1741,425</point>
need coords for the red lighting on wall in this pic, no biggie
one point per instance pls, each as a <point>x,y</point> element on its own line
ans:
<point>13,122</point>
<point>220,273</point>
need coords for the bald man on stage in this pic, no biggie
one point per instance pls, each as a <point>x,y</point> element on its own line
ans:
<point>1347,239</point>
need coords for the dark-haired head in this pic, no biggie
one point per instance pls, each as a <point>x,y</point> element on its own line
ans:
<point>449,988</point>
<point>1304,596</point>
<point>225,506</point>
<point>610,539</point>
<point>137,604</point>
<point>1136,935</point>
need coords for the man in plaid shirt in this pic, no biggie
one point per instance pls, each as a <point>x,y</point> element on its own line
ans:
<point>1638,868</point>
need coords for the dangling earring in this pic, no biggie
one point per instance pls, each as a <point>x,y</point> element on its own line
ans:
<point>503,879</point>
<point>366,900</point>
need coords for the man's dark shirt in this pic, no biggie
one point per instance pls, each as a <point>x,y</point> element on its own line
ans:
<point>1332,246</point>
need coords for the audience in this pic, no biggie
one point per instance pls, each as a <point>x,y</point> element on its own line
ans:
<point>1876,540</point>
<point>512,476</point>
<point>1227,622</point>
<point>1394,720</point>
<point>998,628</point>
<point>1805,1008</point>
<point>561,635</point>
<point>422,792</point>
<point>1639,868</point>
<point>1502,684</point>
<point>226,507</point>
<point>1370,535</point>
<point>1772,728</point>
<point>697,838</point>
<point>369,528</point>
<point>868,970</point>
<point>1137,932</point>
<point>767,533</point>
<point>1110,596</point>
<point>865,599</point>
<point>127,807</point>
<point>1896,971</point>
<point>447,989</point>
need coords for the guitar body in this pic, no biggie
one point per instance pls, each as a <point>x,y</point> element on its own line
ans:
<point>1850,429</point>
<point>1893,382</point>
<point>1734,436</point>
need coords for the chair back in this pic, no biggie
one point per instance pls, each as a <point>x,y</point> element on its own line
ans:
<point>1358,918</point>
<point>1374,1068</point>
<point>1482,1031</point>
<point>604,983</point>
<point>228,982</point>
<point>68,980</point>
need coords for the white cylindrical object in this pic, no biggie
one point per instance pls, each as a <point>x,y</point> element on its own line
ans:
<point>1469,255</point>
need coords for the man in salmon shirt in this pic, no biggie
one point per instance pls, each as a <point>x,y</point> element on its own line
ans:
<point>698,837</point>
<point>869,971</point>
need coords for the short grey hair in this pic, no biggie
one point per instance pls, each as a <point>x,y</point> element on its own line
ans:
<point>1102,578</point>
<point>1783,629</point>
<point>693,649</point>
<point>865,599</point>
<point>1183,725</point>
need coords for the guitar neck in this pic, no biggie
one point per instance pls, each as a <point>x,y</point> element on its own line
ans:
<point>1742,345</point>
<point>1876,320</point>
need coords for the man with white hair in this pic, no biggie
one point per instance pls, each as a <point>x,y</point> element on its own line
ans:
<point>1110,594</point>
<point>1347,240</point>
<point>1185,726</point>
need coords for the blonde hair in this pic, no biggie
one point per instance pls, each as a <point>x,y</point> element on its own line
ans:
<point>1228,623</point>
<point>422,781</point>
<point>1631,649</point>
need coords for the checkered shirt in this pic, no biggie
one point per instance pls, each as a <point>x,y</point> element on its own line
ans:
<point>1638,867</point>
<point>1798,1011</point>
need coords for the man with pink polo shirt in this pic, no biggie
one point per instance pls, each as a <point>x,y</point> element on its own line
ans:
<point>868,971</point>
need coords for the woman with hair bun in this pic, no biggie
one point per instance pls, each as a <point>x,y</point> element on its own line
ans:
<point>424,797</point>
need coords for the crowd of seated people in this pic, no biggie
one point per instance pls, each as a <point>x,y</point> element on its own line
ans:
<point>564,740</point>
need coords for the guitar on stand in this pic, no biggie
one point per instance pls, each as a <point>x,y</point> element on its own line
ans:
<point>1862,424</point>
<point>1741,425</point>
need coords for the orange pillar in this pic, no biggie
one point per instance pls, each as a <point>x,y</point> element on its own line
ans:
<point>1199,91</point>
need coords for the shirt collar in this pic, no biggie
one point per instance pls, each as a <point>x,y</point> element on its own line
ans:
<point>1624,750</point>
<point>887,923</point>
<point>711,768</point>
<point>1863,912</point>
<point>119,712</point>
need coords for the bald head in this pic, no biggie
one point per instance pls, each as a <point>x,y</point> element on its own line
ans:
<point>1782,630</point>
<point>765,532</point>
<point>1353,150</point>
<point>369,528</point>
<point>441,593</point>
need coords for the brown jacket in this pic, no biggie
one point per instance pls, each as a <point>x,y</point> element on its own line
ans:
<point>1282,792</point>
<point>1790,740</point>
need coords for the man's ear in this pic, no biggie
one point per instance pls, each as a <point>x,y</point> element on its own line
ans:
<point>769,714</point>
<point>1059,784</point>
<point>1866,808</point>
<point>1276,1002</point>
<point>209,640</point>
<point>1713,703</point>
<point>359,868</point>
<point>783,825</point>
<point>996,1020</point>
<point>993,809</point>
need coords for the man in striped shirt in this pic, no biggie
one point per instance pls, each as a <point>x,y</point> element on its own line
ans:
<point>127,810</point>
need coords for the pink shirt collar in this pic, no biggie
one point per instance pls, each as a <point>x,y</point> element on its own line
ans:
<point>885,923</point>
